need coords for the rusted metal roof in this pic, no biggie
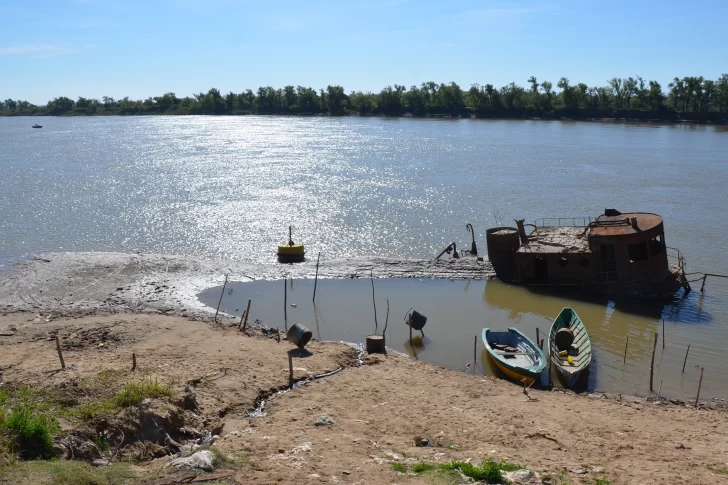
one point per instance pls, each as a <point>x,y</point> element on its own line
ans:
<point>611,224</point>
<point>555,239</point>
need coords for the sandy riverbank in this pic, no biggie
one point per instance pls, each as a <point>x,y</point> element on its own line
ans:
<point>377,408</point>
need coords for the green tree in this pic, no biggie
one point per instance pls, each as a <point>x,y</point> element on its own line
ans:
<point>617,91</point>
<point>548,95</point>
<point>337,99</point>
<point>721,93</point>
<point>655,96</point>
<point>60,105</point>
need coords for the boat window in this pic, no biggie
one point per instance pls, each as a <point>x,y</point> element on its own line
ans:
<point>637,252</point>
<point>563,261</point>
<point>657,246</point>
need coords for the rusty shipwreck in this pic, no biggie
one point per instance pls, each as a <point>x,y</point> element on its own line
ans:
<point>614,253</point>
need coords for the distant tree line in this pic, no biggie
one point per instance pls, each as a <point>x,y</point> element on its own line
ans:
<point>687,98</point>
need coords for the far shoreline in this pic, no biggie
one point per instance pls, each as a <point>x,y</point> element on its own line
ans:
<point>588,119</point>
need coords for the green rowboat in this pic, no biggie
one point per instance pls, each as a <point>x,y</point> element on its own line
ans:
<point>569,346</point>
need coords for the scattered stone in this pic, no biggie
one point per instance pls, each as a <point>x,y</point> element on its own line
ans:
<point>579,471</point>
<point>422,441</point>
<point>202,460</point>
<point>100,462</point>
<point>394,456</point>
<point>597,469</point>
<point>519,477</point>
<point>189,447</point>
<point>304,447</point>
<point>324,421</point>
<point>281,450</point>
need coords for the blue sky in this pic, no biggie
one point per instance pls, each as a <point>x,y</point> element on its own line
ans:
<point>146,48</point>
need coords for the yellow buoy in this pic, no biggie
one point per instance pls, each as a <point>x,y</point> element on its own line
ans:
<point>291,252</point>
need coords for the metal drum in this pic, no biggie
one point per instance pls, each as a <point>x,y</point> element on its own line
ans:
<point>299,335</point>
<point>503,242</point>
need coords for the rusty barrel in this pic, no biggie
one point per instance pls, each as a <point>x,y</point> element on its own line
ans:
<point>503,242</point>
<point>299,335</point>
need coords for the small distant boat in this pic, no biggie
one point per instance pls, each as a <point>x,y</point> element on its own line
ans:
<point>291,252</point>
<point>37,126</point>
<point>515,355</point>
<point>569,346</point>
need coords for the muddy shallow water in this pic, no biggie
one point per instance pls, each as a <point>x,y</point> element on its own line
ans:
<point>458,310</point>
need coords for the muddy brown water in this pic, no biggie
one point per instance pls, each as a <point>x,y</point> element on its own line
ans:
<point>458,310</point>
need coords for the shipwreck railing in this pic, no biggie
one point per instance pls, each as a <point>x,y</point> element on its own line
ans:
<point>675,256</point>
<point>582,221</point>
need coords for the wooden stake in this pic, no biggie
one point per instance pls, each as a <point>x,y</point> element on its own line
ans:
<point>702,287</point>
<point>686,358</point>
<point>279,334</point>
<point>290,370</point>
<point>133,361</point>
<point>220,300</point>
<point>700,383</point>
<point>624,361</point>
<point>374,302</point>
<point>475,352</point>
<point>410,326</point>
<point>550,360</point>
<point>540,345</point>
<point>538,336</point>
<point>244,318</point>
<point>386,322</point>
<point>315,282</point>
<point>652,363</point>
<point>285,303</point>
<point>60,355</point>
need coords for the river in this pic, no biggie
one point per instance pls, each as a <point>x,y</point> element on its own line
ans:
<point>228,187</point>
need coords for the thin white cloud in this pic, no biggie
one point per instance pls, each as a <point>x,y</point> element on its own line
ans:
<point>38,50</point>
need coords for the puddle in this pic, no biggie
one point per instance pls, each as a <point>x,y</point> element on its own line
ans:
<point>457,311</point>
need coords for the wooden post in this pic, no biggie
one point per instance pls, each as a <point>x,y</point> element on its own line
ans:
<point>686,358</point>
<point>702,287</point>
<point>540,345</point>
<point>386,322</point>
<point>60,355</point>
<point>315,282</point>
<point>550,359</point>
<point>538,336</point>
<point>374,302</point>
<point>285,303</point>
<point>244,317</point>
<point>221,295</point>
<point>475,352</point>
<point>652,363</point>
<point>290,370</point>
<point>663,334</point>
<point>133,361</point>
<point>700,383</point>
<point>624,361</point>
<point>279,334</point>
<point>410,330</point>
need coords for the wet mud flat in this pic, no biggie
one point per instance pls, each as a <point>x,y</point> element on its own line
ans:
<point>79,283</point>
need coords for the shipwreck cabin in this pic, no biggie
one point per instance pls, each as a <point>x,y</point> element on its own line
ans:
<point>613,253</point>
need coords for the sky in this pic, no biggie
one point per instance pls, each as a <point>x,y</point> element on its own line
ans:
<point>134,48</point>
